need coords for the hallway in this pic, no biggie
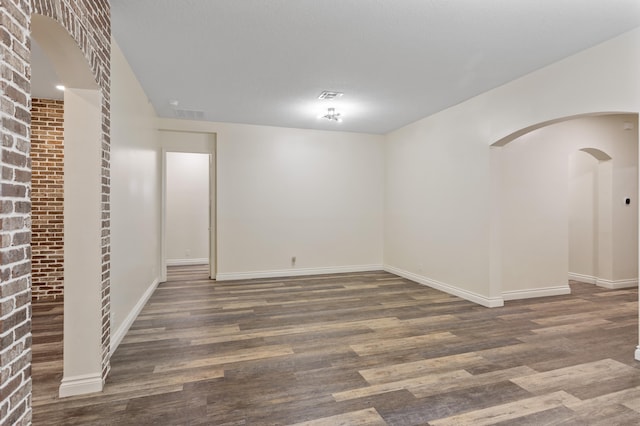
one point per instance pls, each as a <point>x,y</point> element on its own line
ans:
<point>365,348</point>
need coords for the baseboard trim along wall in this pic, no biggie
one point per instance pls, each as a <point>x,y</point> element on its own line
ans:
<point>187,262</point>
<point>601,282</point>
<point>117,337</point>
<point>80,385</point>
<point>489,302</point>
<point>582,278</point>
<point>616,284</point>
<point>234,276</point>
<point>536,292</point>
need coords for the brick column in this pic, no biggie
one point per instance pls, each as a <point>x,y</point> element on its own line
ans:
<point>15,207</point>
<point>89,23</point>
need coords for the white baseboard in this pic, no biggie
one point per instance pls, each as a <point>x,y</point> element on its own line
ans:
<point>187,262</point>
<point>80,385</point>
<point>582,278</point>
<point>231,276</point>
<point>536,292</point>
<point>601,282</point>
<point>489,302</point>
<point>119,334</point>
<point>616,284</point>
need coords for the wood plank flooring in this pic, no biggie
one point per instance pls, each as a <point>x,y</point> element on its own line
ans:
<point>353,349</point>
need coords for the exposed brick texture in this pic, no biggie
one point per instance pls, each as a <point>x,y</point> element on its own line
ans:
<point>89,24</point>
<point>15,252</point>
<point>47,199</point>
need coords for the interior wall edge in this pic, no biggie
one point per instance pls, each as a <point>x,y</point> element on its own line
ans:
<point>122,330</point>
<point>488,302</point>
<point>589,279</point>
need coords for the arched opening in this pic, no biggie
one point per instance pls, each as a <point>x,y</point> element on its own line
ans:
<point>530,226</point>
<point>82,210</point>
<point>517,134</point>
<point>590,216</point>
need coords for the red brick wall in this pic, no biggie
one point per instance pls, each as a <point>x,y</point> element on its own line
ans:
<point>47,199</point>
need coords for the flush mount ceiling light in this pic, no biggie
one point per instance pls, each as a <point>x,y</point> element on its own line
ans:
<point>332,115</point>
<point>60,87</point>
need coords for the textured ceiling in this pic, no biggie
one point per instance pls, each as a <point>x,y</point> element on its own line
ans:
<point>266,61</point>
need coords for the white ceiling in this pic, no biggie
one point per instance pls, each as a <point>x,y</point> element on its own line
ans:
<point>44,78</point>
<point>266,61</point>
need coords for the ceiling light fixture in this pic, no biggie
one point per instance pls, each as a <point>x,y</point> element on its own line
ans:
<point>60,87</point>
<point>332,115</point>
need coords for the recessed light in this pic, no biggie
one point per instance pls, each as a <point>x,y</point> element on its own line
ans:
<point>174,103</point>
<point>329,95</point>
<point>60,87</point>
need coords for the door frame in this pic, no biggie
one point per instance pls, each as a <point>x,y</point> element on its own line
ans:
<point>209,149</point>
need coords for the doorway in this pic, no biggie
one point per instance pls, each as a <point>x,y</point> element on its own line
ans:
<point>85,301</point>
<point>187,209</point>
<point>532,225</point>
<point>590,216</point>
<point>188,201</point>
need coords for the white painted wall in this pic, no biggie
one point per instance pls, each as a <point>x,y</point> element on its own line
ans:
<point>311,194</point>
<point>187,208</point>
<point>82,242</point>
<point>135,197</point>
<point>583,188</point>
<point>625,217</point>
<point>189,142</point>
<point>442,225</point>
<point>437,213</point>
<point>535,213</point>
<point>536,204</point>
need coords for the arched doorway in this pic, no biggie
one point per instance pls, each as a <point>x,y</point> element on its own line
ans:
<point>590,216</point>
<point>530,226</point>
<point>85,361</point>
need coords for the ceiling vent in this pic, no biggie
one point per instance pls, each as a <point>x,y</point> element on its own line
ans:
<point>189,114</point>
<point>329,95</point>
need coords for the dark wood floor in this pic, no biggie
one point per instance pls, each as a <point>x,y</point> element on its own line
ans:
<point>354,349</point>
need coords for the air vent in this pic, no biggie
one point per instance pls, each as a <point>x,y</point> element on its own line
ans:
<point>189,114</point>
<point>328,95</point>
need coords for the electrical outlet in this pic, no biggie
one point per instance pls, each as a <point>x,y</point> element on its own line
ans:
<point>187,253</point>
<point>293,261</point>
